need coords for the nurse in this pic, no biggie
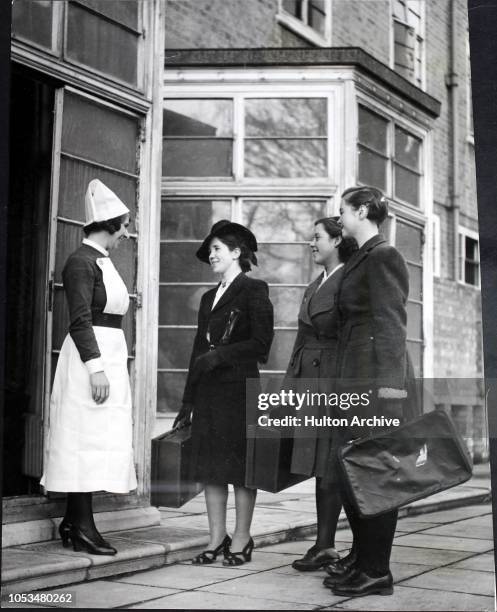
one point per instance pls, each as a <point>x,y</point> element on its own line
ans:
<point>89,441</point>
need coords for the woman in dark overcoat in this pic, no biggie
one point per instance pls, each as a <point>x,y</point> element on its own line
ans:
<point>314,357</point>
<point>372,355</point>
<point>235,331</point>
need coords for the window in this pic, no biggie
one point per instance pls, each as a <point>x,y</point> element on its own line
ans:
<point>310,19</point>
<point>103,35</point>
<point>436,245</point>
<point>35,21</point>
<point>198,138</point>
<point>283,227</point>
<point>275,138</point>
<point>408,34</point>
<point>389,157</point>
<point>469,257</point>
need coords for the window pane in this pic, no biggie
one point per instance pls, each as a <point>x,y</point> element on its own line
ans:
<point>373,130</point>
<point>124,258</point>
<point>69,238</point>
<point>99,134</point>
<point>409,241</point>
<point>178,305</point>
<point>288,263</point>
<point>414,320</point>
<point>285,158</point>
<point>471,273</point>
<point>286,302</point>
<point>178,263</point>
<point>197,157</point>
<point>415,350</point>
<point>198,118</point>
<point>123,12</point>
<point>407,149</point>
<point>175,347</point>
<point>406,186</point>
<point>415,282</point>
<point>32,19</point>
<point>317,19</point>
<point>294,7</point>
<point>372,169</point>
<point>170,388</point>
<point>281,350</point>
<point>282,221</point>
<point>191,219</point>
<point>74,179</point>
<point>285,117</point>
<point>98,43</point>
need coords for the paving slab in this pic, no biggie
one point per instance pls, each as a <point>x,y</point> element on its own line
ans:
<point>481,563</point>
<point>461,529</point>
<point>108,594</point>
<point>182,576</point>
<point>456,580</point>
<point>303,589</point>
<point>423,540</point>
<point>456,514</point>
<point>410,525</point>
<point>418,600</point>
<point>201,600</point>
<point>22,563</point>
<point>259,562</point>
<point>426,556</point>
<point>168,537</point>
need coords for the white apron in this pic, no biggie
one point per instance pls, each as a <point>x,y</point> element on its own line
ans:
<point>89,446</point>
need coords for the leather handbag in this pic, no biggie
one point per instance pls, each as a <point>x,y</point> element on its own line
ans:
<point>171,453</point>
<point>401,465</point>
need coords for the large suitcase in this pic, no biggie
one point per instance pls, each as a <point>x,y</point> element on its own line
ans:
<point>269,457</point>
<point>404,464</point>
<point>171,485</point>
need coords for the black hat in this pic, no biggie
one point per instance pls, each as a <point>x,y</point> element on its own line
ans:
<point>223,228</point>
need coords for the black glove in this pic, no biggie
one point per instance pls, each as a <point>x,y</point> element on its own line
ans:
<point>206,363</point>
<point>184,416</point>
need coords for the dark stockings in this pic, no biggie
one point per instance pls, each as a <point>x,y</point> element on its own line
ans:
<point>328,506</point>
<point>79,512</point>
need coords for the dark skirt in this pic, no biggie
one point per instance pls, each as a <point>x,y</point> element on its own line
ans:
<point>219,442</point>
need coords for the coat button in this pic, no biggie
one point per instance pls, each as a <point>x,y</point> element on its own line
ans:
<point>315,362</point>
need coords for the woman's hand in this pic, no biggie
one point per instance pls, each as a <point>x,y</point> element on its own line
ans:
<point>184,416</point>
<point>99,387</point>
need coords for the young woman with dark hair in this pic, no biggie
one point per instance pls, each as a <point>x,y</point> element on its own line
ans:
<point>235,331</point>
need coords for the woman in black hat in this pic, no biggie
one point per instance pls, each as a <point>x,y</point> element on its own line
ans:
<point>235,331</point>
<point>372,355</point>
<point>314,357</point>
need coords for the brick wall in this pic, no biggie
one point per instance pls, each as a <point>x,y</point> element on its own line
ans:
<point>226,24</point>
<point>356,23</point>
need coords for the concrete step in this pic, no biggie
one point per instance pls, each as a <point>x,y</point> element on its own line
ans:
<point>183,533</point>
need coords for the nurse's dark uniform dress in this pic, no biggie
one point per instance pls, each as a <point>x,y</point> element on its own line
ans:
<point>89,446</point>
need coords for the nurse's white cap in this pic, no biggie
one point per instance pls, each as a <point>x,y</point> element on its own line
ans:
<point>102,204</point>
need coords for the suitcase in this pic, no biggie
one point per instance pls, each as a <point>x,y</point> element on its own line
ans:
<point>171,485</point>
<point>404,464</point>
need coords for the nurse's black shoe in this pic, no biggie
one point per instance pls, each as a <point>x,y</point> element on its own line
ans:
<point>80,541</point>
<point>65,533</point>
<point>360,584</point>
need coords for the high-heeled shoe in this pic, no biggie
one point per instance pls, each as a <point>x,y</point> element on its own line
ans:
<point>241,557</point>
<point>80,541</point>
<point>65,530</point>
<point>209,556</point>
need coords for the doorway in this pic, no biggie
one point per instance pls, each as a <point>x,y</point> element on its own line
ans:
<point>31,139</point>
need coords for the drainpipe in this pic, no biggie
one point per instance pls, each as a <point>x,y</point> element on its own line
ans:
<point>452,83</point>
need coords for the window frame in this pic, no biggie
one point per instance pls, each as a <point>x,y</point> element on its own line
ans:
<point>58,18</point>
<point>462,234</point>
<point>140,81</point>
<point>393,122</point>
<point>238,158</point>
<point>302,29</point>
<point>436,245</point>
<point>421,35</point>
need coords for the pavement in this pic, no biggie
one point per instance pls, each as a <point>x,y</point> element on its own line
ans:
<point>442,559</point>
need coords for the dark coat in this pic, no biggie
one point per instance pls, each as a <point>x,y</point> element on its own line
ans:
<point>372,348</point>
<point>314,357</point>
<point>219,396</point>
